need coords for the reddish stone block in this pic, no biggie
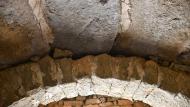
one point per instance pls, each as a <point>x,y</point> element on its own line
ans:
<point>92,101</point>
<point>91,106</point>
<point>125,102</point>
<point>140,104</point>
<point>80,98</point>
<point>106,104</point>
<point>53,104</point>
<point>73,103</point>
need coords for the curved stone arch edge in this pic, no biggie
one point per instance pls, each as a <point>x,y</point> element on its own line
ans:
<point>132,90</point>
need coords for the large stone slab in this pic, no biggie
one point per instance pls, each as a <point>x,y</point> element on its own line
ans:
<point>157,28</point>
<point>84,26</point>
<point>20,33</point>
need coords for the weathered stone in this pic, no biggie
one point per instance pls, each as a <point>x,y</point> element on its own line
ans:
<point>106,65</point>
<point>91,105</point>
<point>92,101</point>
<point>73,103</point>
<point>127,103</point>
<point>80,98</point>
<point>53,104</point>
<point>84,27</point>
<point>41,105</point>
<point>179,67</point>
<point>151,72</point>
<point>83,67</point>
<point>17,80</point>
<point>106,104</point>
<point>21,36</point>
<point>58,53</point>
<point>182,81</point>
<point>136,68</point>
<point>151,94</point>
<point>52,74</point>
<point>122,65</point>
<point>155,31</point>
<point>60,103</point>
<point>140,104</point>
<point>112,99</point>
<point>65,65</point>
<point>169,79</point>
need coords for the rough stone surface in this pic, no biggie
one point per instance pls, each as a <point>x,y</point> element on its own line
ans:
<point>58,53</point>
<point>146,93</point>
<point>16,81</point>
<point>72,102</point>
<point>157,28</point>
<point>21,35</point>
<point>83,26</point>
<point>38,9</point>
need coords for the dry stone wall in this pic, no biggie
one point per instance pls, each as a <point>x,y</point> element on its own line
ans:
<point>96,101</point>
<point>158,28</point>
<point>132,90</point>
<point>16,81</point>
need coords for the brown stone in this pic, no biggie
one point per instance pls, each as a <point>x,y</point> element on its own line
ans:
<point>112,99</point>
<point>125,102</point>
<point>65,66</point>
<point>92,101</point>
<point>102,99</point>
<point>66,106</point>
<point>73,103</point>
<point>135,68</point>
<point>151,72</point>
<point>53,75</point>
<point>41,105</point>
<point>83,67</point>
<point>58,53</point>
<point>179,67</point>
<point>91,106</point>
<point>20,39</point>
<point>106,65</point>
<point>115,102</point>
<point>106,104</point>
<point>16,81</point>
<point>53,104</point>
<point>80,98</point>
<point>35,58</point>
<point>169,79</point>
<point>140,104</point>
<point>60,103</point>
<point>182,81</point>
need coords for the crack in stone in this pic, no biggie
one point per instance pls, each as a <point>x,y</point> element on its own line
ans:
<point>92,85</point>
<point>158,97</point>
<point>125,87</point>
<point>136,90</point>
<point>149,93</point>
<point>62,90</point>
<point>110,87</point>
<point>86,25</point>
